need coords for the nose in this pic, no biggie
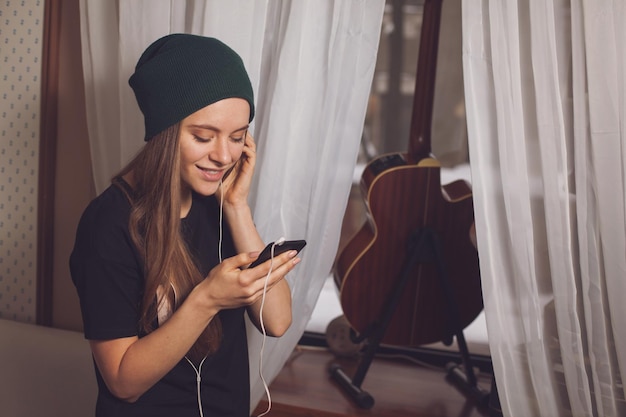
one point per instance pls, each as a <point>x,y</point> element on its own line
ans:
<point>220,154</point>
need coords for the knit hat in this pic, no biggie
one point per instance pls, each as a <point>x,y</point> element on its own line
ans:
<point>180,74</point>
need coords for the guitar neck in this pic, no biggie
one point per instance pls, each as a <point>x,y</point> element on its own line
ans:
<point>423,99</point>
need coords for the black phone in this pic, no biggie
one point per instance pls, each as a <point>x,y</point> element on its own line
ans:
<point>287,245</point>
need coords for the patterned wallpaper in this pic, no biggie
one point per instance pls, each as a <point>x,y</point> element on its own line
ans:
<point>21,29</point>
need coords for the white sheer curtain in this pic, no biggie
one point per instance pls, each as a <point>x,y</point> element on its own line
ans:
<point>545,85</point>
<point>311,64</point>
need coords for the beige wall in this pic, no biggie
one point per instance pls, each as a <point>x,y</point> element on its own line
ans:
<point>21,37</point>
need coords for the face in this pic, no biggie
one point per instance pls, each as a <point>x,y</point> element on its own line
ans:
<point>211,142</point>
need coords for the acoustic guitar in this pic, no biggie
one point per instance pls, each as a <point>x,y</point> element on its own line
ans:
<point>403,194</point>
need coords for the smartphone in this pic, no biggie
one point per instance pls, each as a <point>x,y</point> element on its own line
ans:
<point>287,245</point>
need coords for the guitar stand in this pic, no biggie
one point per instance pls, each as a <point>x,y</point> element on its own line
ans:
<point>424,246</point>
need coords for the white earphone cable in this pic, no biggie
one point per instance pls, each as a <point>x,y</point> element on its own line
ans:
<point>219,244</point>
<point>198,371</point>
<point>267,390</point>
<point>265,386</point>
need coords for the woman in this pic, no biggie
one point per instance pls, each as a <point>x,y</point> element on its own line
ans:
<point>160,257</point>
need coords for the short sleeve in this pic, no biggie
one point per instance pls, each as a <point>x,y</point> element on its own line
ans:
<point>106,269</point>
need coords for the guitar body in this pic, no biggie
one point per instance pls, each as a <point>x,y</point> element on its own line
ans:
<point>401,198</point>
<point>404,195</point>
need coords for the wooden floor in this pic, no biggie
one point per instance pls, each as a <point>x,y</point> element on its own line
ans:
<point>400,387</point>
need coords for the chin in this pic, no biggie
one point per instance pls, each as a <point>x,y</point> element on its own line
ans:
<point>206,190</point>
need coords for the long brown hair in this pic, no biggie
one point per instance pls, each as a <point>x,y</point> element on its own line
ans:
<point>155,230</point>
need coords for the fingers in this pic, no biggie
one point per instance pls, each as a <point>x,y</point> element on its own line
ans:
<point>280,266</point>
<point>236,187</point>
<point>280,262</point>
<point>234,285</point>
<point>249,146</point>
<point>249,142</point>
<point>242,260</point>
<point>249,152</point>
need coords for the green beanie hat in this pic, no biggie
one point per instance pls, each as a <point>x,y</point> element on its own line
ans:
<point>180,74</point>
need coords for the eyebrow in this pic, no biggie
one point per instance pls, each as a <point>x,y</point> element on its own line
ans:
<point>216,129</point>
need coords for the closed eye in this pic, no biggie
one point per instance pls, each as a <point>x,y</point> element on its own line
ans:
<point>241,137</point>
<point>238,139</point>
<point>201,139</point>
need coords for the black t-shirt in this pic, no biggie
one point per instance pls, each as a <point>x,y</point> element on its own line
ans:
<point>107,272</point>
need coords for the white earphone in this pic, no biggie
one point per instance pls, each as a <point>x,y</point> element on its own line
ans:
<point>278,242</point>
<point>198,370</point>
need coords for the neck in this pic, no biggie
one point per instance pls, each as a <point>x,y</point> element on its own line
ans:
<point>185,202</point>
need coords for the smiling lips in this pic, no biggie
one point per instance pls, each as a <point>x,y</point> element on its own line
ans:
<point>211,174</point>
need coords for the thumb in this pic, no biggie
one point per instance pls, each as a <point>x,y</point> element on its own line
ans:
<point>243,260</point>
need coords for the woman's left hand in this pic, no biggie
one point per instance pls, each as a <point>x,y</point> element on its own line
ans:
<point>236,186</point>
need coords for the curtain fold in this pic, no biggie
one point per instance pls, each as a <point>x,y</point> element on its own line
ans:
<point>101,73</point>
<point>545,96</point>
<point>311,64</point>
<point>317,69</point>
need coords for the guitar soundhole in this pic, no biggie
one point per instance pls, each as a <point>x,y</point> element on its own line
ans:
<point>386,162</point>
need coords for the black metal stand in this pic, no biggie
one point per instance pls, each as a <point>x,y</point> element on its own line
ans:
<point>424,246</point>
